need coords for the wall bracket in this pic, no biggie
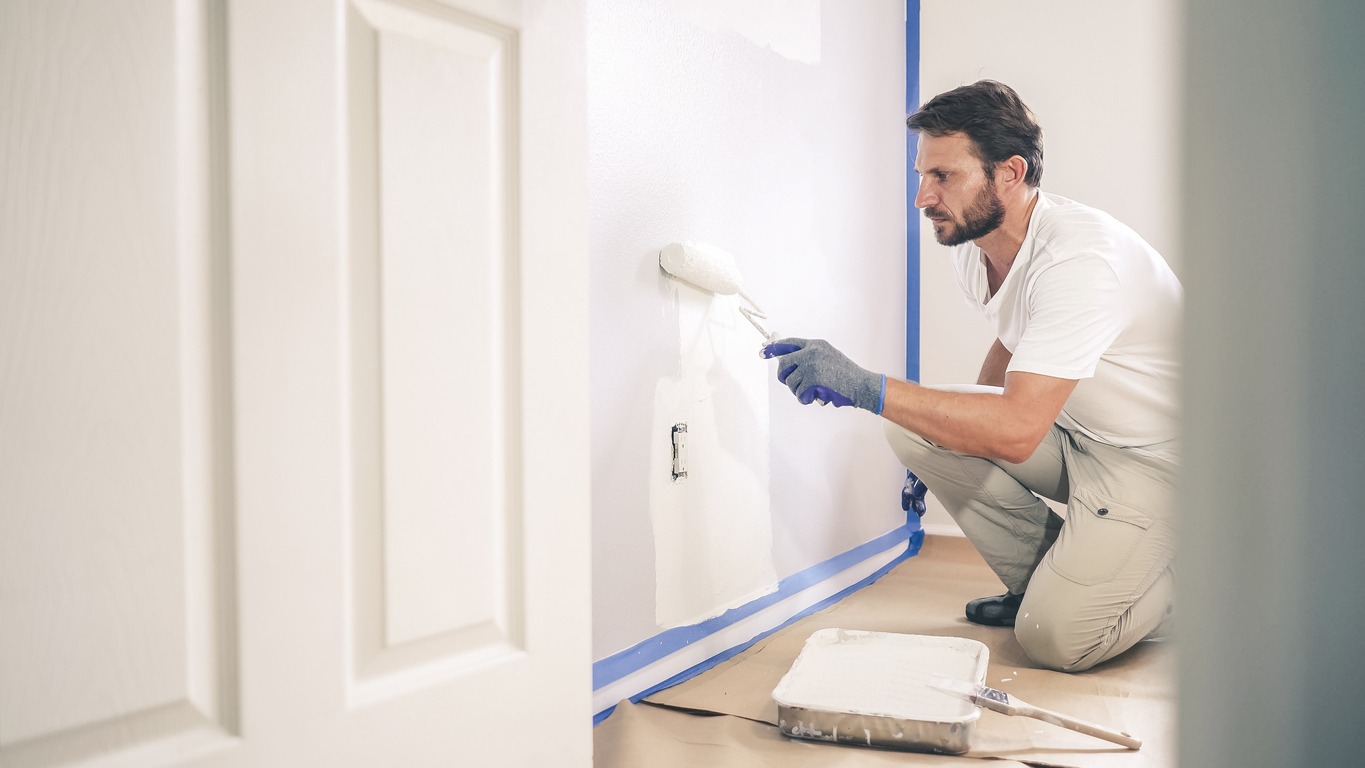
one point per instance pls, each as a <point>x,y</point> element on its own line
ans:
<point>679,437</point>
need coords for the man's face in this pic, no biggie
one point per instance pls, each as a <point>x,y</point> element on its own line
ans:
<point>954,191</point>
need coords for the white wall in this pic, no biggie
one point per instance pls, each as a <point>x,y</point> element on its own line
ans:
<point>776,133</point>
<point>1102,78</point>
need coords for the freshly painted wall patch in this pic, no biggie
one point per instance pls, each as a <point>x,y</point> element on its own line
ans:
<point>712,533</point>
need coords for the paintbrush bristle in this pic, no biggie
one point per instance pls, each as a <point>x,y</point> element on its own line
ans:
<point>987,692</point>
<point>976,693</point>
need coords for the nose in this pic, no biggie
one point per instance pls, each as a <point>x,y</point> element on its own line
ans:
<point>924,196</point>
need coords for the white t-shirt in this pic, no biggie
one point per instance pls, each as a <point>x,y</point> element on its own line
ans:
<point>1088,299</point>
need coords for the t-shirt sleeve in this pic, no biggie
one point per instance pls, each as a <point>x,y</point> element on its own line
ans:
<point>1076,311</point>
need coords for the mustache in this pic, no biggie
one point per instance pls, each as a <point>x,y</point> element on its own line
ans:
<point>934,213</point>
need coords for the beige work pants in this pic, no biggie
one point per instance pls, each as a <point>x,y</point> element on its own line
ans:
<point>1093,585</point>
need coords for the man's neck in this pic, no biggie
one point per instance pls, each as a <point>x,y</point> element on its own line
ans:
<point>1001,246</point>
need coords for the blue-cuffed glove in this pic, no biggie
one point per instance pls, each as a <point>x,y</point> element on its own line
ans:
<point>912,494</point>
<point>813,370</point>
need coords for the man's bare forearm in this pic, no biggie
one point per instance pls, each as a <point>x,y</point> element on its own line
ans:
<point>1005,426</point>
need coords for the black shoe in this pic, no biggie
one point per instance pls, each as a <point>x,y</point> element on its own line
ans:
<point>995,611</point>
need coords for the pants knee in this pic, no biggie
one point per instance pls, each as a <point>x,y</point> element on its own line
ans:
<point>907,446</point>
<point>1052,645</point>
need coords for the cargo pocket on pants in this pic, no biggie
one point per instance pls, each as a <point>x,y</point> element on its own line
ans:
<point>1098,539</point>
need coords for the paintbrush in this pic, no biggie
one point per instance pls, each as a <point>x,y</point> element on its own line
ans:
<point>999,701</point>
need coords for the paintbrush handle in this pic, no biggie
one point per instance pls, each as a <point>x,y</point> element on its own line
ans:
<point>1071,723</point>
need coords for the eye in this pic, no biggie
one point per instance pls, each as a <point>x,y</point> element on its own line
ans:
<point>941,176</point>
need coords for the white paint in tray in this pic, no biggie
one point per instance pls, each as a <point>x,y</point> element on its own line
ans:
<point>883,674</point>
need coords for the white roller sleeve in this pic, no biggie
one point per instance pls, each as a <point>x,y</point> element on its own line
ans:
<point>703,265</point>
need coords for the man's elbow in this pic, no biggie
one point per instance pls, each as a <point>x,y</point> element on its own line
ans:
<point>1019,449</point>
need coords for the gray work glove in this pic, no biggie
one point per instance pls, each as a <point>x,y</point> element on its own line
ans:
<point>814,370</point>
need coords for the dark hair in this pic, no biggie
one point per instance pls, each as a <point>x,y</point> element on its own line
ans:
<point>993,116</point>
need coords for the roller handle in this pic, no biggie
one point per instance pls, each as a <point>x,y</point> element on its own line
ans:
<point>1071,723</point>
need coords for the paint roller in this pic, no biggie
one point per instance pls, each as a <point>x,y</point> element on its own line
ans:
<point>708,268</point>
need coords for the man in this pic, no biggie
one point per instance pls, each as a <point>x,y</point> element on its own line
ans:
<point>1081,406</point>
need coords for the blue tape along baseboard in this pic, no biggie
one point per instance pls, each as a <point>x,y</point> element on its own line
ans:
<point>678,654</point>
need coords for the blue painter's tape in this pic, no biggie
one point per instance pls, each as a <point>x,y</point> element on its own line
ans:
<point>912,549</point>
<point>616,666</point>
<point>912,254</point>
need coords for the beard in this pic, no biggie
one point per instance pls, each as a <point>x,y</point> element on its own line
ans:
<point>981,218</point>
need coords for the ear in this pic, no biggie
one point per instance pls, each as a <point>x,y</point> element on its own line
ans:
<point>1013,170</point>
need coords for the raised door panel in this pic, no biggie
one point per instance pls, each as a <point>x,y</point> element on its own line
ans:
<point>116,554</point>
<point>434,343</point>
<point>412,502</point>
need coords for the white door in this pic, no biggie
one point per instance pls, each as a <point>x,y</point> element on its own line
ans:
<point>293,335</point>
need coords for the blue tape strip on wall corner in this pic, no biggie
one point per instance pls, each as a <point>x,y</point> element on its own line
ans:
<point>912,254</point>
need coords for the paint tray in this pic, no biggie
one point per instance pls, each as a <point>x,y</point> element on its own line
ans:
<point>871,688</point>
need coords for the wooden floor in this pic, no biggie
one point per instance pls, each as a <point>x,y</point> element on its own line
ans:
<point>726,717</point>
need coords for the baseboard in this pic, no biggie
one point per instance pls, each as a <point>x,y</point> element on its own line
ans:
<point>682,652</point>
<point>942,529</point>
